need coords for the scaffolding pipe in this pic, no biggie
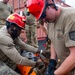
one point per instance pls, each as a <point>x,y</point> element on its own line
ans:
<point>13,3</point>
<point>18,6</point>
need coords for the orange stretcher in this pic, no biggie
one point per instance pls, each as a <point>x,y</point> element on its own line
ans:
<point>25,70</point>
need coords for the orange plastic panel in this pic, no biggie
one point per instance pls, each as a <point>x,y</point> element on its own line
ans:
<point>25,70</point>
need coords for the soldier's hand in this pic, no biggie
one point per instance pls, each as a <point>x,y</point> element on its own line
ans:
<point>51,67</point>
<point>38,62</point>
<point>46,53</point>
<point>51,73</point>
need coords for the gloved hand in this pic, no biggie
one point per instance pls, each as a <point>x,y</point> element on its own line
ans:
<point>38,63</point>
<point>51,73</point>
<point>51,66</point>
<point>45,52</point>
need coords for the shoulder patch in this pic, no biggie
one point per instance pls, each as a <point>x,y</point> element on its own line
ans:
<point>72,35</point>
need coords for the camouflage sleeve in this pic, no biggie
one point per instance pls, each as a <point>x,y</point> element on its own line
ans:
<point>25,46</point>
<point>14,55</point>
<point>8,48</point>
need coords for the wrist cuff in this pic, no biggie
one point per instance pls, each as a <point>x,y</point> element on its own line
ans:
<point>53,62</point>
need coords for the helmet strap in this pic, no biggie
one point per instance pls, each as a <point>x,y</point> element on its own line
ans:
<point>52,5</point>
<point>46,5</point>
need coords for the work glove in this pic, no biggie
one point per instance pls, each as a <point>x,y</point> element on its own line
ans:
<point>51,67</point>
<point>45,53</point>
<point>38,63</point>
<point>51,73</point>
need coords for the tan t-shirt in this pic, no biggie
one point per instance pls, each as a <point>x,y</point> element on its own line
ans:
<point>62,33</point>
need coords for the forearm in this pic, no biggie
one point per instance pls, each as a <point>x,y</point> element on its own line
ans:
<point>25,61</point>
<point>66,66</point>
<point>15,56</point>
<point>53,53</point>
<point>44,29</point>
<point>25,46</point>
<point>30,48</point>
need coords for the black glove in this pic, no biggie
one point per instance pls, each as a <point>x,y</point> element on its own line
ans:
<point>51,66</point>
<point>52,73</point>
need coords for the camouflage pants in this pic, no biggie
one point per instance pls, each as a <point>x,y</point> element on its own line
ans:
<point>9,62</point>
<point>31,33</point>
<point>5,70</point>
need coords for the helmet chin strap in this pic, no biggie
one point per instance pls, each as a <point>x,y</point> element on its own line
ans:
<point>52,5</point>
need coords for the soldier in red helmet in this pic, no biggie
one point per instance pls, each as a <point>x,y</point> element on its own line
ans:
<point>9,37</point>
<point>61,34</point>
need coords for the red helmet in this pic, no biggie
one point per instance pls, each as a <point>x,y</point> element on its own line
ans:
<point>17,19</point>
<point>36,7</point>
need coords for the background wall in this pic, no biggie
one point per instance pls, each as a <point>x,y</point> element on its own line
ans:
<point>70,2</point>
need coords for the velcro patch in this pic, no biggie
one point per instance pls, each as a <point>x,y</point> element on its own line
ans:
<point>72,35</point>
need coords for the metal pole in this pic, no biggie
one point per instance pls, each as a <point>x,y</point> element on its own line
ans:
<point>18,6</point>
<point>13,3</point>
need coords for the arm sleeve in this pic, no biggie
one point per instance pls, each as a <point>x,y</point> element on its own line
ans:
<point>10,51</point>
<point>69,34</point>
<point>25,46</point>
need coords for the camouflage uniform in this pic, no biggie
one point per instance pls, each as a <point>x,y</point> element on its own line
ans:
<point>5,70</point>
<point>5,11</point>
<point>31,30</point>
<point>9,54</point>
